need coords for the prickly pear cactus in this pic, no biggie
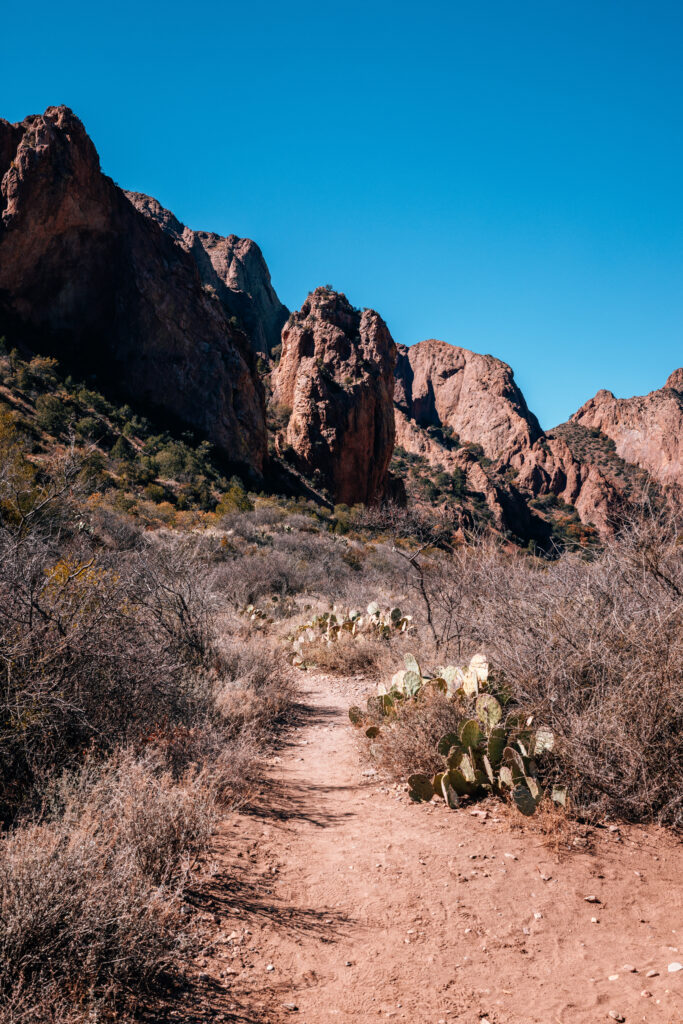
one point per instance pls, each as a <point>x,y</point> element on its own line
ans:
<point>420,788</point>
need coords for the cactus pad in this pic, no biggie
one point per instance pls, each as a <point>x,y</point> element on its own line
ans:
<point>412,664</point>
<point>489,711</point>
<point>446,742</point>
<point>470,734</point>
<point>421,788</point>
<point>523,800</point>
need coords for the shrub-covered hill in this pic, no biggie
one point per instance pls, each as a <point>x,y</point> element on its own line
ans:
<point>127,461</point>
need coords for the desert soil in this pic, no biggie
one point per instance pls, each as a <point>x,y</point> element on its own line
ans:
<point>336,899</point>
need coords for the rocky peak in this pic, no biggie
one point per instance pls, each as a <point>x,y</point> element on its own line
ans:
<point>476,396</point>
<point>233,267</point>
<point>647,430</point>
<point>335,382</point>
<point>86,277</point>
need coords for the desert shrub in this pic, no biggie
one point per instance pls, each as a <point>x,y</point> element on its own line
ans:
<point>89,900</point>
<point>154,492</point>
<point>235,499</point>
<point>52,413</point>
<point>256,690</point>
<point>410,745</point>
<point>127,719</point>
<point>349,655</point>
<point>592,646</point>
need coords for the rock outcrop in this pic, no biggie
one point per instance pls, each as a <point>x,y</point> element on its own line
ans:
<point>451,402</point>
<point>233,267</point>
<point>438,384</point>
<point>87,277</point>
<point>647,430</point>
<point>335,383</point>
<point>550,467</point>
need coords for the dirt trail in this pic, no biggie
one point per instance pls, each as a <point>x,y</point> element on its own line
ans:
<point>339,897</point>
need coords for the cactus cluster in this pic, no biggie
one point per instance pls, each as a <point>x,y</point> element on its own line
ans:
<point>255,614</point>
<point>328,626</point>
<point>494,750</point>
<point>450,679</point>
<point>490,753</point>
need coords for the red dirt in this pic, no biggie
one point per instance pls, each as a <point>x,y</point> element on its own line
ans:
<point>369,907</point>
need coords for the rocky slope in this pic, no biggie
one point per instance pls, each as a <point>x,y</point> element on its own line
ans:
<point>647,430</point>
<point>476,396</point>
<point>86,277</point>
<point>334,386</point>
<point>233,267</point>
<point>462,413</point>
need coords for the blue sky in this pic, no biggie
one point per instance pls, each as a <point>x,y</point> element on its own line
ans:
<point>505,176</point>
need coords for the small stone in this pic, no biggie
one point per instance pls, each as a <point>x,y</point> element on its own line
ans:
<point>591,899</point>
<point>615,1015</point>
<point>595,920</point>
<point>270,967</point>
<point>629,968</point>
<point>510,856</point>
<point>613,977</point>
<point>538,915</point>
<point>292,1007</point>
<point>203,976</point>
<point>645,994</point>
<point>652,974</point>
<point>674,967</point>
<point>348,963</point>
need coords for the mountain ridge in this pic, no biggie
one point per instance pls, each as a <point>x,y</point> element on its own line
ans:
<point>175,319</point>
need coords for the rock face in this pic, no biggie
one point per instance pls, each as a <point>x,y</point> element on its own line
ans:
<point>233,267</point>
<point>85,276</point>
<point>550,467</point>
<point>443,386</point>
<point>438,384</point>
<point>335,382</point>
<point>647,430</point>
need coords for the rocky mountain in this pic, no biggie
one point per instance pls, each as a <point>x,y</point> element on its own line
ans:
<point>334,388</point>
<point>87,277</point>
<point>172,319</point>
<point>475,396</point>
<point>647,430</point>
<point>233,267</point>
<point>462,413</point>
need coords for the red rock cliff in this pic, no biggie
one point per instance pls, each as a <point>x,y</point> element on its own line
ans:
<point>234,267</point>
<point>443,385</point>
<point>647,430</point>
<point>85,276</point>
<point>336,377</point>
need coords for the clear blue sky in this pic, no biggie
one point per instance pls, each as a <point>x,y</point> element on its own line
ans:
<point>504,175</point>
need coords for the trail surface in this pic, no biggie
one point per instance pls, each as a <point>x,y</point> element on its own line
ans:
<point>337,900</point>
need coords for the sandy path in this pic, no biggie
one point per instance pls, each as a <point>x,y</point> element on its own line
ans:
<point>368,907</point>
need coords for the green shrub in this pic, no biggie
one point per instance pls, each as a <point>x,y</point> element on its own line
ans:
<point>52,415</point>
